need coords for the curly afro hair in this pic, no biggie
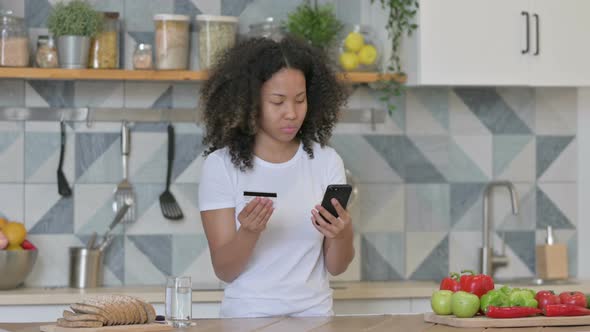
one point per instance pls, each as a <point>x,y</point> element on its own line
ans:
<point>231,96</point>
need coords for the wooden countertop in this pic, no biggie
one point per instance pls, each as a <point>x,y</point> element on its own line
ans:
<point>377,323</point>
<point>359,290</point>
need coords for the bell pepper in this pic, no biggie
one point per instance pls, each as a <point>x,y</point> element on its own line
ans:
<point>553,310</point>
<point>450,283</point>
<point>494,298</point>
<point>546,297</point>
<point>476,284</point>
<point>511,312</point>
<point>575,298</point>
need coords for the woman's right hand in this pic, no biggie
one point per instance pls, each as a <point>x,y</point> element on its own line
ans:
<point>255,215</point>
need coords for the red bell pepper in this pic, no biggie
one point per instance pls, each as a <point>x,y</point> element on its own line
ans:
<point>511,312</point>
<point>546,297</point>
<point>451,282</point>
<point>553,310</point>
<point>476,284</point>
<point>575,298</point>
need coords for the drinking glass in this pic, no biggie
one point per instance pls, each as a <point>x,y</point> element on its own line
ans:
<point>178,301</point>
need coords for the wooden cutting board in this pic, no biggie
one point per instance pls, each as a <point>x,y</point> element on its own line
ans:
<point>116,328</point>
<point>482,321</point>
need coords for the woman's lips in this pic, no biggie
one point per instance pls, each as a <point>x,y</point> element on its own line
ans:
<point>289,130</point>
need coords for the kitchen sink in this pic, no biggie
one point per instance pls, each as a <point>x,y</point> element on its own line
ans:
<point>533,281</point>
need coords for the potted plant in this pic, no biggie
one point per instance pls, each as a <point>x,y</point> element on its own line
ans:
<point>316,24</point>
<point>73,25</point>
<point>400,21</point>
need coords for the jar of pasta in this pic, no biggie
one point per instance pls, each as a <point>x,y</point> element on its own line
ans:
<point>216,34</point>
<point>172,41</point>
<point>14,41</point>
<point>104,47</point>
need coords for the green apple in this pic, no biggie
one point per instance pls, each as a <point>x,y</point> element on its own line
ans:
<point>464,305</point>
<point>440,301</point>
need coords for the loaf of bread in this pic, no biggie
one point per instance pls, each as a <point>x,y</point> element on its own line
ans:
<point>108,310</point>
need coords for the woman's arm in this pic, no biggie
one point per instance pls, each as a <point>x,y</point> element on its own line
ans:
<point>338,244</point>
<point>230,248</point>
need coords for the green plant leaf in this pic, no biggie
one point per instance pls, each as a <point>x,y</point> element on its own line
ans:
<point>76,18</point>
<point>318,25</point>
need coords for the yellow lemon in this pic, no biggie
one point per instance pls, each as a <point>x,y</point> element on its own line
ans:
<point>15,232</point>
<point>354,41</point>
<point>14,247</point>
<point>367,55</point>
<point>349,61</point>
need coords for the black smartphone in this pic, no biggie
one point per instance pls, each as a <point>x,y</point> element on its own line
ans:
<point>339,191</point>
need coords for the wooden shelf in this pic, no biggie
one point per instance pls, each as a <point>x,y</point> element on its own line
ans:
<point>151,75</point>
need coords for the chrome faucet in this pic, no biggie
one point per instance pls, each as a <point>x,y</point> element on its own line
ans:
<point>489,260</point>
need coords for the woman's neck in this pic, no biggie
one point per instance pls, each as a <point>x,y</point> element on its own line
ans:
<point>274,151</point>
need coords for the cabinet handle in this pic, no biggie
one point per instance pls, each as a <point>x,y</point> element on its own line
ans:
<point>528,42</point>
<point>538,33</point>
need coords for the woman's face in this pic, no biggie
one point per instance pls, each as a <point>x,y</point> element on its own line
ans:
<point>284,105</point>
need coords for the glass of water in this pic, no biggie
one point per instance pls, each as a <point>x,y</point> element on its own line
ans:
<point>179,301</point>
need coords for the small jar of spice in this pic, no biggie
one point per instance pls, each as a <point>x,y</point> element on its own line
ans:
<point>46,56</point>
<point>142,57</point>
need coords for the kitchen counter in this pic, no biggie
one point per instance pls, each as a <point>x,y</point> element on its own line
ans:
<point>377,323</point>
<point>359,290</point>
<point>155,294</point>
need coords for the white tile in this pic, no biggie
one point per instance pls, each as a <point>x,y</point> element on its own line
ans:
<point>564,196</point>
<point>52,266</point>
<point>418,246</point>
<point>464,250</point>
<point>143,94</point>
<point>565,167</point>
<point>462,120</point>
<point>556,111</point>
<point>39,199</point>
<point>12,159</point>
<point>478,149</point>
<point>382,208</point>
<point>12,201</point>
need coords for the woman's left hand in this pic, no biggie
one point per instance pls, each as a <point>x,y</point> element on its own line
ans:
<point>332,227</point>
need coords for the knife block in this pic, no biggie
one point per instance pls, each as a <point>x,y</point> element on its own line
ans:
<point>552,261</point>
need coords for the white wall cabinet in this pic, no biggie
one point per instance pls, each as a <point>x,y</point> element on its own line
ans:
<point>500,42</point>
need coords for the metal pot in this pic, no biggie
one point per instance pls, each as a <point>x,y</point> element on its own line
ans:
<point>73,51</point>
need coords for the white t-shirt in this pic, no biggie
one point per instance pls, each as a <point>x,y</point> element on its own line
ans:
<point>286,274</point>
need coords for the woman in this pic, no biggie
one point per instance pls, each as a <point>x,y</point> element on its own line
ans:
<point>269,110</point>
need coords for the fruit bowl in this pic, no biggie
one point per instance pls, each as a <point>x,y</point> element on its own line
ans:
<point>15,266</point>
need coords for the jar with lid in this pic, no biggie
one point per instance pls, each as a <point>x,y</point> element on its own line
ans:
<point>46,56</point>
<point>14,41</point>
<point>104,47</point>
<point>359,49</point>
<point>142,57</point>
<point>269,28</point>
<point>172,41</point>
<point>216,34</point>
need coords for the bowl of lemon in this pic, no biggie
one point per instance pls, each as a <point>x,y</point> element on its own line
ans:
<point>17,254</point>
<point>359,50</point>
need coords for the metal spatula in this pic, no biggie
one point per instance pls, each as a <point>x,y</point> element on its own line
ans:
<point>168,204</point>
<point>63,188</point>
<point>124,191</point>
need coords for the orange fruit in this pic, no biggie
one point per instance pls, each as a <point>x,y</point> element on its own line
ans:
<point>15,232</point>
<point>3,222</point>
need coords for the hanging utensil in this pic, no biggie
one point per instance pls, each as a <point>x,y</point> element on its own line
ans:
<point>63,188</point>
<point>124,191</point>
<point>168,204</point>
<point>108,237</point>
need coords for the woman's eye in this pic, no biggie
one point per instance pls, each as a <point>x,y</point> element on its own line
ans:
<point>301,101</point>
<point>278,103</point>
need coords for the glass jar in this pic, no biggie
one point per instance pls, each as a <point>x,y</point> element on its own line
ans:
<point>104,47</point>
<point>172,41</point>
<point>216,34</point>
<point>142,57</point>
<point>46,55</point>
<point>14,41</point>
<point>269,28</point>
<point>359,49</point>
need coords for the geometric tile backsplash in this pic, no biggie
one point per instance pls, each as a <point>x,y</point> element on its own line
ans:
<point>421,174</point>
